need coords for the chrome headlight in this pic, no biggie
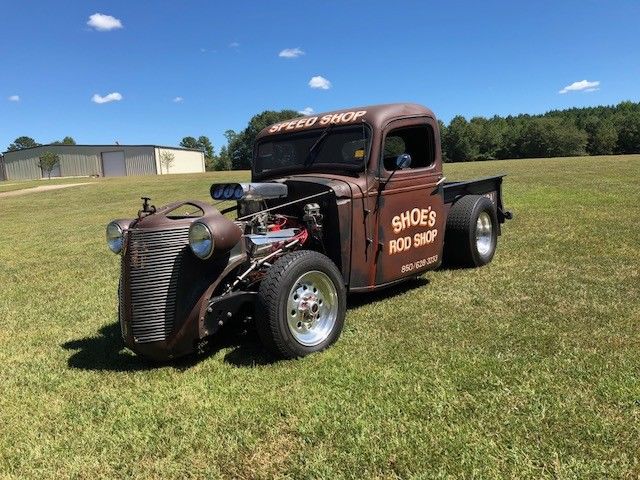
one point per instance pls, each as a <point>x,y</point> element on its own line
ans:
<point>201,240</point>
<point>115,237</point>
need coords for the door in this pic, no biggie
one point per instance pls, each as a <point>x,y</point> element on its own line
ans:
<point>410,212</point>
<point>55,172</point>
<point>113,164</point>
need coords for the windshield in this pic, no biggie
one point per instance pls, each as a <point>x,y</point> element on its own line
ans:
<point>341,148</point>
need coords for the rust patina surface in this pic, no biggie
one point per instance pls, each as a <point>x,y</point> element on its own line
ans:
<point>373,251</point>
<point>381,225</point>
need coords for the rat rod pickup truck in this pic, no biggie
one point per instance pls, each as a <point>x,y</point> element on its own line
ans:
<point>348,201</point>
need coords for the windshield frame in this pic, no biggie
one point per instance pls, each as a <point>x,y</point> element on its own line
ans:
<point>316,166</point>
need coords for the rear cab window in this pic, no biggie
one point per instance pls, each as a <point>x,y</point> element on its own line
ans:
<point>417,141</point>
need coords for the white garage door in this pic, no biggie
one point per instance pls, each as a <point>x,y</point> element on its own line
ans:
<point>55,172</point>
<point>113,164</point>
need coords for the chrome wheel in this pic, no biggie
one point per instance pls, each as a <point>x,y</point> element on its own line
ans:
<point>484,234</point>
<point>312,308</point>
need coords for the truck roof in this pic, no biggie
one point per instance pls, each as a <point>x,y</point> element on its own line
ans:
<point>376,116</point>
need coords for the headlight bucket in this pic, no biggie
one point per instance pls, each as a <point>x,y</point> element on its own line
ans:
<point>115,237</point>
<point>201,240</point>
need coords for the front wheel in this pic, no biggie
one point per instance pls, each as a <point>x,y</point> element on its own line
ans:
<point>301,304</point>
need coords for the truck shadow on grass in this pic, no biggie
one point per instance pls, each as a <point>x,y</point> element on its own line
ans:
<point>105,351</point>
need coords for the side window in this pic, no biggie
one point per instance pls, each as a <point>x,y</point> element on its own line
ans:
<point>418,141</point>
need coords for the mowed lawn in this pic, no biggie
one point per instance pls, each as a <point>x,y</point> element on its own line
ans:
<point>9,186</point>
<point>529,367</point>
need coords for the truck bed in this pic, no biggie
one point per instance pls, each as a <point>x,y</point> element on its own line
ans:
<point>490,187</point>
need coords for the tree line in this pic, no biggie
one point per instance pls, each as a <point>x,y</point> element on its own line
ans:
<point>601,130</point>
<point>598,130</point>
<point>23,142</point>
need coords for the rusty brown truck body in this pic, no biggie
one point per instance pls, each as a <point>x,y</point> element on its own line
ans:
<point>348,201</point>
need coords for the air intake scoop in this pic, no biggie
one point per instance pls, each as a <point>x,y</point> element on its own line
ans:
<point>248,191</point>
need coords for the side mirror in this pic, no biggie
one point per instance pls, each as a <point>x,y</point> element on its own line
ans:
<point>403,161</point>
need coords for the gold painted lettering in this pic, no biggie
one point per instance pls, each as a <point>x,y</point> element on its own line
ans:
<point>347,117</point>
<point>359,114</point>
<point>432,219</point>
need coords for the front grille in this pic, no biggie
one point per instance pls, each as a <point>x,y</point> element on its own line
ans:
<point>121,309</point>
<point>153,261</point>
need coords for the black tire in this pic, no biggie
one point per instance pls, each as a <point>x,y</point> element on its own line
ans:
<point>462,247</point>
<point>274,315</point>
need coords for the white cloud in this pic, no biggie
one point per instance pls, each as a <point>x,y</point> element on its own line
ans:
<point>306,111</point>
<point>103,23</point>
<point>320,82</point>
<point>178,100</point>
<point>291,53</point>
<point>234,45</point>
<point>14,98</point>
<point>111,97</point>
<point>581,86</point>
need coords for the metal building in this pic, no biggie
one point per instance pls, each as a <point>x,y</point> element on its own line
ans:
<point>100,160</point>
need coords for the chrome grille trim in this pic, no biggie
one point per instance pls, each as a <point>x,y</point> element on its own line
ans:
<point>121,305</point>
<point>154,259</point>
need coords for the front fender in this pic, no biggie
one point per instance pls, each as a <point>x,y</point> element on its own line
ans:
<point>203,328</point>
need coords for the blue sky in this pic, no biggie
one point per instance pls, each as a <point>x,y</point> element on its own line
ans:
<point>222,60</point>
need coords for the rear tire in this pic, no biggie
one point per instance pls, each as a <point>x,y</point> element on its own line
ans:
<point>301,304</point>
<point>471,236</point>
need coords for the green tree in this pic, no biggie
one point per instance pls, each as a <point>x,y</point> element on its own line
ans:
<point>201,143</point>
<point>21,143</point>
<point>551,137</point>
<point>189,142</point>
<point>457,140</point>
<point>166,161</point>
<point>240,145</point>
<point>64,141</point>
<point>222,161</point>
<point>568,140</point>
<point>487,137</point>
<point>628,127</point>
<point>205,144</point>
<point>48,161</point>
<point>602,136</point>
<point>443,133</point>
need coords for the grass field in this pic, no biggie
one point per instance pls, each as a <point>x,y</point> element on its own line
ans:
<point>529,367</point>
<point>9,186</point>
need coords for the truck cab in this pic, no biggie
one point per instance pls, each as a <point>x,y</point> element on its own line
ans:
<point>384,167</point>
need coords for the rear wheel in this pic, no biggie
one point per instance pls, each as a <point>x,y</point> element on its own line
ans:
<point>472,232</point>
<point>301,304</point>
